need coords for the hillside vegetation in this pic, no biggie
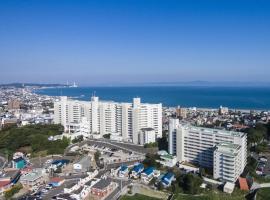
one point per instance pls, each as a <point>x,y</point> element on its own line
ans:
<point>32,139</point>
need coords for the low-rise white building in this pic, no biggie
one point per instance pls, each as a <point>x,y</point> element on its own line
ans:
<point>32,178</point>
<point>168,160</point>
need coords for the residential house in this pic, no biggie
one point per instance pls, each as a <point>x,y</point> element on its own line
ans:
<point>136,171</point>
<point>123,172</point>
<point>18,163</point>
<point>103,188</point>
<point>167,179</point>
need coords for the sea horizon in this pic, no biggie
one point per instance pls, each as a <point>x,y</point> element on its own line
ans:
<point>205,97</point>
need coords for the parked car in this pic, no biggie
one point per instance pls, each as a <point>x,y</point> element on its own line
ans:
<point>44,190</point>
<point>263,159</point>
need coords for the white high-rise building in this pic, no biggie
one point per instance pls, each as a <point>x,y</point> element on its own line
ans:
<point>147,135</point>
<point>227,162</point>
<point>106,117</point>
<point>197,144</point>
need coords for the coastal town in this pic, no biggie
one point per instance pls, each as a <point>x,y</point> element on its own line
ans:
<point>56,147</point>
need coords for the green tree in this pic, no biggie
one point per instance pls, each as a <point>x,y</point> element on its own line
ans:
<point>151,145</point>
<point>202,172</point>
<point>32,137</point>
<point>15,189</point>
<point>191,183</point>
<point>160,186</point>
<point>163,142</point>
<point>257,134</point>
<point>107,136</point>
<point>153,181</point>
<point>77,139</point>
<point>150,160</point>
<point>97,155</point>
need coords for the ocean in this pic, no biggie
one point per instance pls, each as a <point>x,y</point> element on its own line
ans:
<point>257,98</point>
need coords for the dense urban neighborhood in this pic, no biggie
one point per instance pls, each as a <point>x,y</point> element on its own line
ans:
<point>56,147</point>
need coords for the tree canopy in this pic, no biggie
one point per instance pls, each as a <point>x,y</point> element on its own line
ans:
<point>191,183</point>
<point>35,137</point>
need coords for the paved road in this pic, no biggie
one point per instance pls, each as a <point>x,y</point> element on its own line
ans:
<point>127,147</point>
<point>59,189</point>
<point>121,185</point>
<point>256,186</point>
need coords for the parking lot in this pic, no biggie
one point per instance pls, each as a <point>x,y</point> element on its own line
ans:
<point>126,147</point>
<point>263,167</point>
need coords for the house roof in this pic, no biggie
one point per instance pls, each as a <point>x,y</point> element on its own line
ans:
<point>168,176</point>
<point>138,167</point>
<point>18,159</point>
<point>32,176</point>
<point>4,183</point>
<point>27,169</point>
<point>165,182</point>
<point>10,174</point>
<point>243,183</point>
<point>148,170</point>
<point>63,161</point>
<point>103,183</point>
<point>56,180</point>
<point>123,168</point>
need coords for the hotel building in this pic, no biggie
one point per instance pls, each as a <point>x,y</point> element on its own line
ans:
<point>205,146</point>
<point>107,117</point>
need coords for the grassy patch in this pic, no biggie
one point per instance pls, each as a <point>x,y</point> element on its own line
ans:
<point>263,194</point>
<point>138,197</point>
<point>213,195</point>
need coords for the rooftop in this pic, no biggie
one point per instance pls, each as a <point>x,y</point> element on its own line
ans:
<point>228,148</point>
<point>4,183</point>
<point>56,180</point>
<point>9,174</point>
<point>32,176</point>
<point>18,159</point>
<point>138,167</point>
<point>148,170</point>
<point>168,156</point>
<point>243,184</point>
<point>123,168</point>
<point>168,176</point>
<point>63,161</point>
<point>211,130</point>
<point>103,183</point>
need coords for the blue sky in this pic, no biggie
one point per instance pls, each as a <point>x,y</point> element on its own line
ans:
<point>134,41</point>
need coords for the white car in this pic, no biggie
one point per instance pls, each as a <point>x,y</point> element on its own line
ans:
<point>263,159</point>
<point>259,172</point>
<point>44,190</point>
<point>49,161</point>
<point>48,187</point>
